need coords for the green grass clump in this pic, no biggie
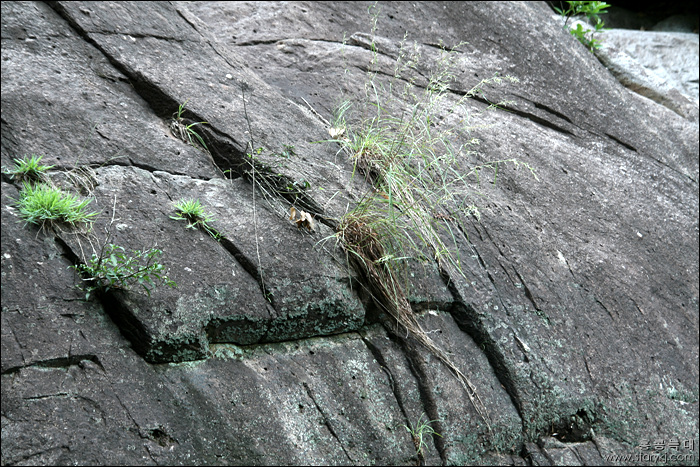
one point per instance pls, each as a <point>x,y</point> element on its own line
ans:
<point>186,132</point>
<point>419,431</point>
<point>43,204</point>
<point>196,217</point>
<point>113,268</point>
<point>28,169</point>
<point>411,143</point>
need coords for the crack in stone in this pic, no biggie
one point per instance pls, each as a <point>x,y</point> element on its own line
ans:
<point>138,165</point>
<point>606,309</point>
<point>552,111</point>
<point>467,319</point>
<point>528,293</point>
<point>138,428</point>
<point>381,361</point>
<point>326,420</point>
<point>658,161</point>
<point>59,395</point>
<point>111,302</point>
<point>366,46</point>
<point>419,368</point>
<point>158,100</point>
<point>521,113</point>
<point>257,42</point>
<point>138,35</point>
<point>23,459</point>
<point>19,346</point>
<point>628,146</point>
<point>249,266</point>
<point>59,362</point>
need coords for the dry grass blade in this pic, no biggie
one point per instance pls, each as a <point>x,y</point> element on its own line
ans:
<point>409,138</point>
<point>366,254</point>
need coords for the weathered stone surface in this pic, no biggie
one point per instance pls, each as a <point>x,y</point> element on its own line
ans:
<point>662,66</point>
<point>109,122</point>
<point>576,318</point>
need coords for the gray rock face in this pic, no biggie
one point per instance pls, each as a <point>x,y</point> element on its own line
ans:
<point>576,317</point>
<point>662,66</point>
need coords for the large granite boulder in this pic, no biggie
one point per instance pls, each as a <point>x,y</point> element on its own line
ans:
<point>575,316</point>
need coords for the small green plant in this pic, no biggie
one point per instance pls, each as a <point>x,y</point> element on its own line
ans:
<point>28,169</point>
<point>43,204</point>
<point>287,151</point>
<point>186,132</point>
<point>193,212</point>
<point>591,10</point>
<point>113,268</point>
<point>419,431</point>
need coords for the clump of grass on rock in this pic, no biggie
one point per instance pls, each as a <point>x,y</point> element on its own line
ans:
<point>192,211</point>
<point>28,169</point>
<point>45,205</point>
<point>411,144</point>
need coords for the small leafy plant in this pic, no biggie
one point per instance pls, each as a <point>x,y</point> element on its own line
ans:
<point>193,212</point>
<point>113,268</point>
<point>288,151</point>
<point>186,132</point>
<point>28,169</point>
<point>591,10</point>
<point>43,204</point>
<point>419,431</point>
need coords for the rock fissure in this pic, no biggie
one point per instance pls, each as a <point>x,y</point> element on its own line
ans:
<point>528,293</point>
<point>48,396</point>
<point>158,99</point>
<point>395,389</point>
<point>112,304</point>
<point>552,111</point>
<point>149,433</point>
<point>59,362</point>
<point>622,143</point>
<point>269,184</point>
<point>612,317</point>
<point>62,169</point>
<point>257,42</point>
<point>527,115</point>
<point>326,421</point>
<point>471,322</point>
<point>419,368</point>
<point>251,267</point>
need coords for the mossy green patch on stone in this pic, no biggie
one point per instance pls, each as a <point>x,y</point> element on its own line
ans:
<point>174,349</point>
<point>638,414</point>
<point>237,329</point>
<point>330,315</point>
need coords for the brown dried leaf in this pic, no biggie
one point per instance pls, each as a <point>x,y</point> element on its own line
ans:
<point>305,219</point>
